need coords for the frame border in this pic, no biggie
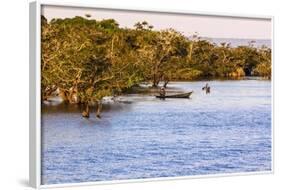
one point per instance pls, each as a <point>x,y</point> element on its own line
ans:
<point>34,94</point>
<point>35,90</point>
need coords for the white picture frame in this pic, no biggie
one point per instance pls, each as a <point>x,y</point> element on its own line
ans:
<point>35,93</point>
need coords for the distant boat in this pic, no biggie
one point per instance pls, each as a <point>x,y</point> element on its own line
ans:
<point>184,95</point>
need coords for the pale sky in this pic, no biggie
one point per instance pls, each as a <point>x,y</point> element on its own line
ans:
<point>206,26</point>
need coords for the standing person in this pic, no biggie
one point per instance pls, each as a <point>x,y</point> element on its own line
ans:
<point>207,88</point>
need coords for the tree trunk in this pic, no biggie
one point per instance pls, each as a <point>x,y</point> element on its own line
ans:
<point>47,92</point>
<point>156,77</point>
<point>156,80</point>
<point>71,95</point>
<point>64,95</point>
<point>86,112</point>
<point>99,108</point>
<point>190,52</point>
<point>165,83</point>
<point>155,84</point>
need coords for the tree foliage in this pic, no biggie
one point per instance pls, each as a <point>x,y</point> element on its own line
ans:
<point>85,60</point>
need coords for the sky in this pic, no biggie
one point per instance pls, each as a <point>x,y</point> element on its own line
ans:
<point>188,24</point>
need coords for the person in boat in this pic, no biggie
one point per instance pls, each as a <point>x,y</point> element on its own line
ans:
<point>162,92</point>
<point>207,88</point>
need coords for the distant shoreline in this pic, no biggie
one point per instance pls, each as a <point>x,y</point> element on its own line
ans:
<point>235,42</point>
<point>224,78</point>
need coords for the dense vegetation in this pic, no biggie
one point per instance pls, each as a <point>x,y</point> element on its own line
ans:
<point>85,60</point>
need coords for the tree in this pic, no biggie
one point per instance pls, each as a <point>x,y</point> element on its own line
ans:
<point>160,51</point>
<point>75,60</point>
<point>263,68</point>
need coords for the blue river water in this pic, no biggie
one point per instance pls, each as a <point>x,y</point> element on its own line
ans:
<point>226,131</point>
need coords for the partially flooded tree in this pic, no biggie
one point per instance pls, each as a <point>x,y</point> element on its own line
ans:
<point>75,61</point>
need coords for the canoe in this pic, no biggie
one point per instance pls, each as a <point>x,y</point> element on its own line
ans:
<point>184,95</point>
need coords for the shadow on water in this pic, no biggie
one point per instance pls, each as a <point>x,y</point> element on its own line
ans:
<point>54,107</point>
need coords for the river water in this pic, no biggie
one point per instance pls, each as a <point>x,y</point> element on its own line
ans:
<point>227,131</point>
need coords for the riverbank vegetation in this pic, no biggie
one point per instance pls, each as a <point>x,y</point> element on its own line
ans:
<point>84,60</point>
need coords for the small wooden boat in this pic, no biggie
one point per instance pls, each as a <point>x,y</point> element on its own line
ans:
<point>184,95</point>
